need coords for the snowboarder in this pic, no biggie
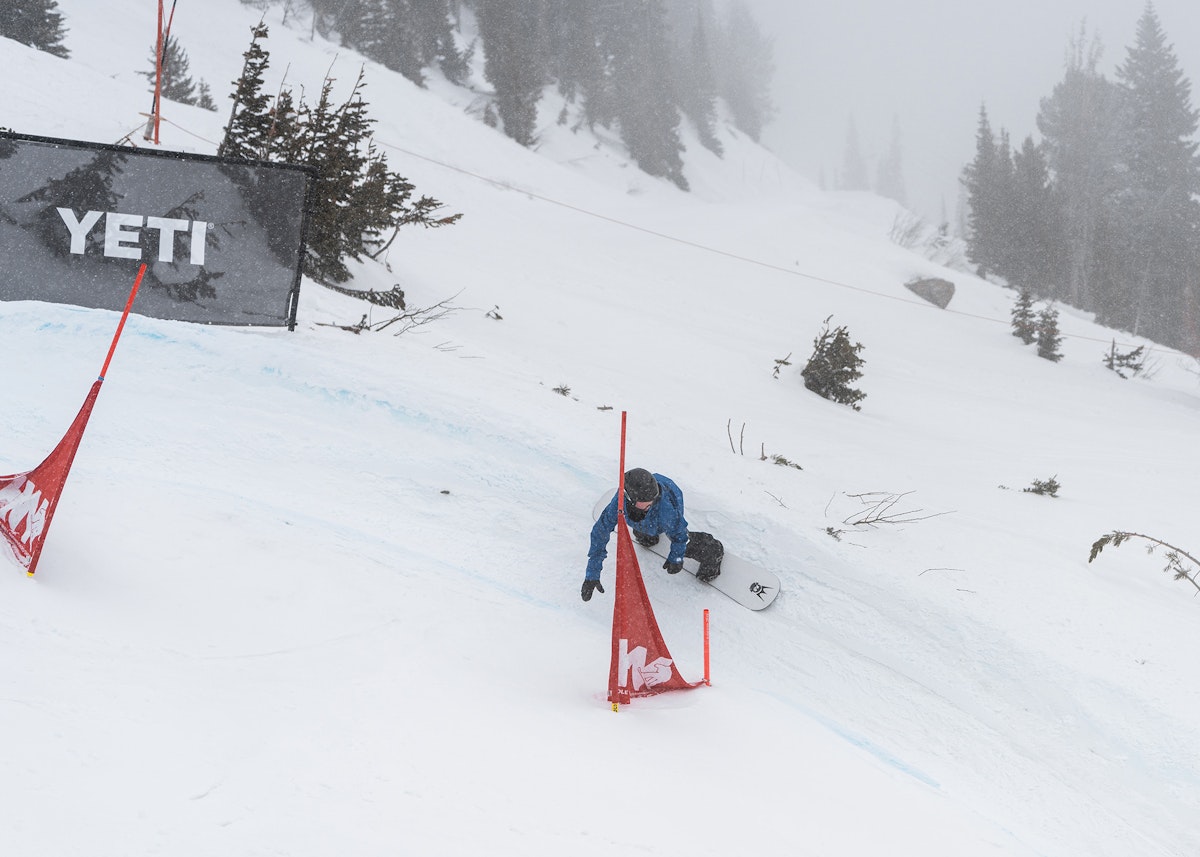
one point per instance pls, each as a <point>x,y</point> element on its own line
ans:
<point>653,506</point>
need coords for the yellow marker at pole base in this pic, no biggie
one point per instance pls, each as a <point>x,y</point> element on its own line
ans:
<point>615,706</point>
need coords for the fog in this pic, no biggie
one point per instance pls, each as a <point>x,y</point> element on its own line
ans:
<point>931,64</point>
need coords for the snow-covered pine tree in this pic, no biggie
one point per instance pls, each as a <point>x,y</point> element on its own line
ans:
<point>1032,259</point>
<point>1048,338</point>
<point>36,23</point>
<point>745,67</point>
<point>641,78</point>
<point>1158,213</point>
<point>984,180</point>
<point>356,199</point>
<point>435,38</point>
<point>834,365</point>
<point>575,58</point>
<point>695,79</point>
<point>1024,320</point>
<point>1079,125</point>
<point>889,178</point>
<point>204,97</point>
<point>248,131</point>
<point>514,50</point>
<point>854,166</point>
<point>177,83</point>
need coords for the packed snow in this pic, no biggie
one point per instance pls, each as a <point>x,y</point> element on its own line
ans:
<point>317,593</point>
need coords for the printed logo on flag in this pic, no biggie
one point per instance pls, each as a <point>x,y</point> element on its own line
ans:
<point>22,515</point>
<point>633,664</point>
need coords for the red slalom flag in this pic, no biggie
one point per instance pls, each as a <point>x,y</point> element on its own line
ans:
<point>641,663</point>
<point>28,500</point>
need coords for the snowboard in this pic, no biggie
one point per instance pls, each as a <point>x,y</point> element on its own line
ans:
<point>740,579</point>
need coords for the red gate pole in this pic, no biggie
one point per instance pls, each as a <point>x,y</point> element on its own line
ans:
<point>137,281</point>
<point>620,519</point>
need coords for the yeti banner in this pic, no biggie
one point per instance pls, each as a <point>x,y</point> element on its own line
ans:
<point>222,240</point>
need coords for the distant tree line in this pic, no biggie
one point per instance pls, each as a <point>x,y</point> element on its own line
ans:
<point>1102,213</point>
<point>889,174</point>
<point>637,67</point>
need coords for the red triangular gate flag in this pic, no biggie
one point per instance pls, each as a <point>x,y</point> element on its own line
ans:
<point>28,500</point>
<point>641,663</point>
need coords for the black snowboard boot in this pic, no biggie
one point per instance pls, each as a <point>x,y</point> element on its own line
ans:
<point>644,540</point>
<point>707,551</point>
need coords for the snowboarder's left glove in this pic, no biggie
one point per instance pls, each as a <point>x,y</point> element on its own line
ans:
<point>588,586</point>
<point>673,567</point>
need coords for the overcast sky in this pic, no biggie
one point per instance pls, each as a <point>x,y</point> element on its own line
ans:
<point>931,64</point>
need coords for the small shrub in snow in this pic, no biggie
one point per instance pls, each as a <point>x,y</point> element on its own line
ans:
<point>1048,487</point>
<point>835,364</point>
<point>1131,362</point>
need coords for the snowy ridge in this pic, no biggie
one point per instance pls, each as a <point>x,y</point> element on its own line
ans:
<point>318,593</point>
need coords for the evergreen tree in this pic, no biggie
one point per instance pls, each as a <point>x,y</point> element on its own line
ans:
<point>746,66</point>
<point>982,179</point>
<point>575,57</point>
<point>385,31</point>
<point>1081,123</point>
<point>646,111</point>
<point>1024,321</point>
<point>854,165</point>
<point>834,365</point>
<point>696,85</point>
<point>1048,338</point>
<point>1158,210</point>
<point>1032,257</point>
<point>514,62</point>
<point>356,199</point>
<point>36,23</point>
<point>435,38</point>
<point>889,180</point>
<point>177,83</point>
<point>204,96</point>
<point>248,132</point>
<point>1004,243</point>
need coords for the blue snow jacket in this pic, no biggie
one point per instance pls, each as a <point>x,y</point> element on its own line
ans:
<point>665,516</point>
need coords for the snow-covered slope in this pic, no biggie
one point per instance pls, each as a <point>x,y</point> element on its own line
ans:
<point>318,593</point>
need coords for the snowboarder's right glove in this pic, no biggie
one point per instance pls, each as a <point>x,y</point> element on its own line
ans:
<point>673,567</point>
<point>588,586</point>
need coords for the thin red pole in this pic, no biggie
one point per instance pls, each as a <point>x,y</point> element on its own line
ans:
<point>707,661</point>
<point>621,523</point>
<point>137,281</point>
<point>621,480</point>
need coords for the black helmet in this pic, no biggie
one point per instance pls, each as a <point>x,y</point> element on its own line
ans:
<point>640,486</point>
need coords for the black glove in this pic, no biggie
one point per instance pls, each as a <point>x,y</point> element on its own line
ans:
<point>588,585</point>
<point>673,567</point>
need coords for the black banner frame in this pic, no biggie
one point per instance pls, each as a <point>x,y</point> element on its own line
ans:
<point>311,173</point>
